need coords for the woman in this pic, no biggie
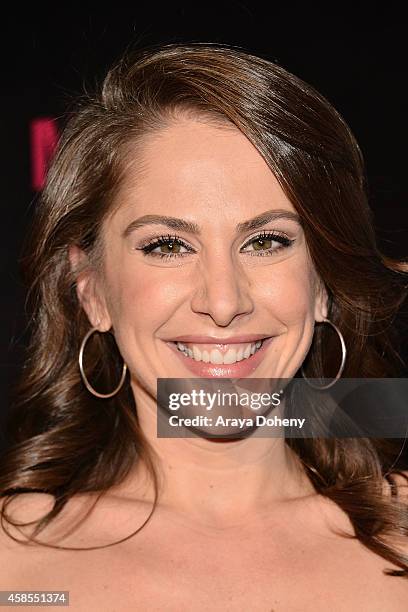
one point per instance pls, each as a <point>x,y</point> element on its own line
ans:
<point>203,196</point>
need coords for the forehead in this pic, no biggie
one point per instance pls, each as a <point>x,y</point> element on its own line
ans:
<point>200,171</point>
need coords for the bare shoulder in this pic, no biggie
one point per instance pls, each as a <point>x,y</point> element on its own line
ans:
<point>14,552</point>
<point>20,558</point>
<point>86,519</point>
<point>21,508</point>
<point>26,509</point>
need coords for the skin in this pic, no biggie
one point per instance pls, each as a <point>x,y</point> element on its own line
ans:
<point>213,176</point>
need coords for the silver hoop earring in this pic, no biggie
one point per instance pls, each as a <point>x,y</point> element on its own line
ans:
<point>83,375</point>
<point>343,360</point>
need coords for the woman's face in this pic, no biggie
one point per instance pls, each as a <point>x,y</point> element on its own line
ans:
<point>224,280</point>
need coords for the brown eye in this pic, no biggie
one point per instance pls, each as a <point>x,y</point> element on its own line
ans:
<point>171,247</point>
<point>263,244</point>
<point>166,246</point>
<point>260,244</point>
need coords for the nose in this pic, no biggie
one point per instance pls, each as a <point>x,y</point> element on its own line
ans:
<point>221,290</point>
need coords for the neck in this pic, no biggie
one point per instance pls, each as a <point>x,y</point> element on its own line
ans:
<point>221,483</point>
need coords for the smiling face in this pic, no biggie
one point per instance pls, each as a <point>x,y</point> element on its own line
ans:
<point>215,275</point>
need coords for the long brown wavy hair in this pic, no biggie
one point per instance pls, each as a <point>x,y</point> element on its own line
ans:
<point>63,440</point>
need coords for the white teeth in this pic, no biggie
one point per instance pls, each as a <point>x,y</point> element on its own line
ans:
<point>196,353</point>
<point>230,356</point>
<point>215,356</point>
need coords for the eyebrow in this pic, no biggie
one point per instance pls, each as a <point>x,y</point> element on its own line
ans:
<point>192,228</point>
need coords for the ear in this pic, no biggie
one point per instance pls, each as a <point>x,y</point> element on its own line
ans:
<point>89,289</point>
<point>321,302</point>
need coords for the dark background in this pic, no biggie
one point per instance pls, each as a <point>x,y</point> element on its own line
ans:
<point>355,58</point>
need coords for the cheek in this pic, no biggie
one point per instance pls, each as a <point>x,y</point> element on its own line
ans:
<point>139,299</point>
<point>289,292</point>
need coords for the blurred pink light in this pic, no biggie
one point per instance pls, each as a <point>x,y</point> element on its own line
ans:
<point>44,136</point>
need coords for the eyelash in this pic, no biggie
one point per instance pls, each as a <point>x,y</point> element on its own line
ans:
<point>164,240</point>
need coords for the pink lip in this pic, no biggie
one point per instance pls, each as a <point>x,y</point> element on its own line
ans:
<point>214,370</point>
<point>197,339</point>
